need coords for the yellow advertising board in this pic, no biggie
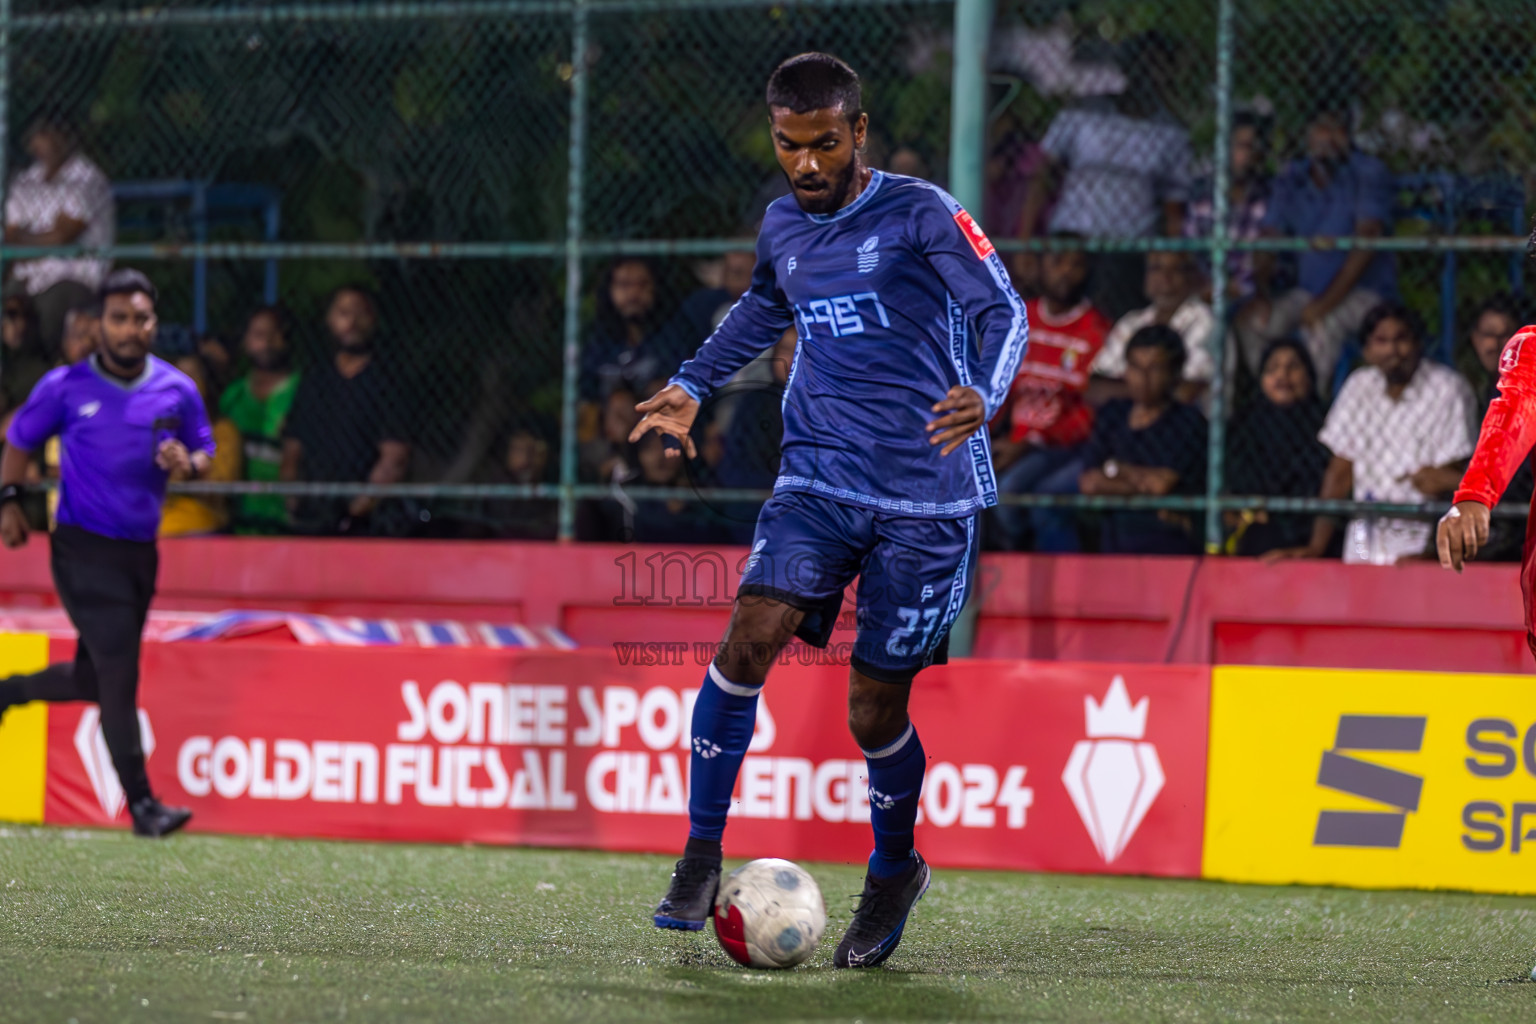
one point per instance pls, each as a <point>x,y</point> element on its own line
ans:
<point>23,735</point>
<point>1372,779</point>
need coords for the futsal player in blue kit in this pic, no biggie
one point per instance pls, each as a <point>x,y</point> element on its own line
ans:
<point>909,336</point>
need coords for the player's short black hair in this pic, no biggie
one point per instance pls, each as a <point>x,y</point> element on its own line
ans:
<point>1249,118</point>
<point>126,281</point>
<point>1163,338</point>
<point>1502,303</point>
<point>1089,256</point>
<point>538,427</point>
<point>1333,106</point>
<point>54,121</point>
<point>353,288</point>
<point>1393,311</point>
<point>816,81</point>
<point>287,325</point>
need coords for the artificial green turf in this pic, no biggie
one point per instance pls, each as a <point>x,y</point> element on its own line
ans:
<point>97,926</point>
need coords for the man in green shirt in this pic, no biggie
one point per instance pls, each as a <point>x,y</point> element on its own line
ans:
<point>258,404</point>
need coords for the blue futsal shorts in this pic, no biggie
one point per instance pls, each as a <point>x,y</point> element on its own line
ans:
<point>913,574</point>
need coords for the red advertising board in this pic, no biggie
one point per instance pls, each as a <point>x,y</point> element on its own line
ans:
<point>1045,766</point>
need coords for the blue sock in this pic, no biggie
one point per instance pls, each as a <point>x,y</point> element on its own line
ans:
<point>895,786</point>
<point>723,718</point>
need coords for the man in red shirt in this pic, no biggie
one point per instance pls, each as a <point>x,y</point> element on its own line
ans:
<point>1043,424</point>
<point>1509,431</point>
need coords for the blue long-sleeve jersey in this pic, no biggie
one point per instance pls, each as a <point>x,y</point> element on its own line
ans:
<point>890,296</point>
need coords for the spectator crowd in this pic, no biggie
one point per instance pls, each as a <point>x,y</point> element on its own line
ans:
<point>1307,418</point>
<point>1333,387</point>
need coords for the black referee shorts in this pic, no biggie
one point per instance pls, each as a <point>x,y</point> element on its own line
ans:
<point>105,585</point>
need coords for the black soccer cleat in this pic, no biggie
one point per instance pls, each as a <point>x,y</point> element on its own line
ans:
<point>152,819</point>
<point>690,899</point>
<point>875,931</point>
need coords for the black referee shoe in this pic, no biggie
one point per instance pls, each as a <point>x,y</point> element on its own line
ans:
<point>152,819</point>
<point>690,899</point>
<point>881,917</point>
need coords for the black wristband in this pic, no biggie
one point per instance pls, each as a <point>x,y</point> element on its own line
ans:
<point>11,492</point>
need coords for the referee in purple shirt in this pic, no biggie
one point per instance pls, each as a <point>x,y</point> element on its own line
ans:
<point>128,422</point>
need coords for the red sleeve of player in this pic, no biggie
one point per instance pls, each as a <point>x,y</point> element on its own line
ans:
<point>1509,429</point>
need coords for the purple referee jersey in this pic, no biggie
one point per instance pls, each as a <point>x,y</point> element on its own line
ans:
<point>111,429</point>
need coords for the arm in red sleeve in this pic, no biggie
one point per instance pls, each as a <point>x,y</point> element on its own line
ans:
<point>1509,429</point>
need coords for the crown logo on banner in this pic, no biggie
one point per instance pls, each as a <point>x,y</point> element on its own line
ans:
<point>1114,775</point>
<point>1116,717</point>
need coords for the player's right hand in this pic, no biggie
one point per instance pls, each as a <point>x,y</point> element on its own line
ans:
<point>671,411</point>
<point>13,525</point>
<point>1462,532</point>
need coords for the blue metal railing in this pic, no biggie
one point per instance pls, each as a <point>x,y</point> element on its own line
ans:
<point>209,203</point>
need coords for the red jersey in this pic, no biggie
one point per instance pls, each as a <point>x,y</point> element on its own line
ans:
<point>1509,431</point>
<point>1046,401</point>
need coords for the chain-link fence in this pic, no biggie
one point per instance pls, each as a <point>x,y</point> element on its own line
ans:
<point>1369,170</point>
<point>521,216</point>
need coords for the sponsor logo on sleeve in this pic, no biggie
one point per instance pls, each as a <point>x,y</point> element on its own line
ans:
<point>981,245</point>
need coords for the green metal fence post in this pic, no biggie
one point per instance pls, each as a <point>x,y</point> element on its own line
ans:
<point>1216,464</point>
<point>967,146</point>
<point>968,102</point>
<point>573,199</point>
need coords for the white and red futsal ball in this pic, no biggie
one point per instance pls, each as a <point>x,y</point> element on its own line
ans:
<point>769,913</point>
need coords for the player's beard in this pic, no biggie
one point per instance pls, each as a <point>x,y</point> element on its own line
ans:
<point>1400,373</point>
<point>129,365</point>
<point>1063,299</point>
<point>834,198</point>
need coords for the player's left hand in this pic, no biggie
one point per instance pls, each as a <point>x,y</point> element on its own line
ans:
<point>172,457</point>
<point>671,411</point>
<point>964,412</point>
<point>1462,531</point>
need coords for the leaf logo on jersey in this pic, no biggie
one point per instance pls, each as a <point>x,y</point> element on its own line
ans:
<point>980,243</point>
<point>869,254</point>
